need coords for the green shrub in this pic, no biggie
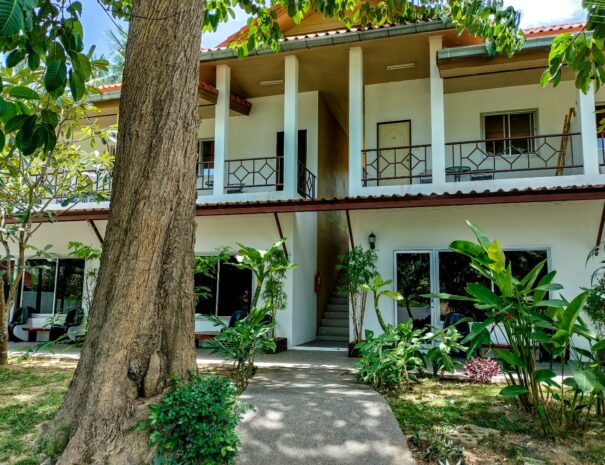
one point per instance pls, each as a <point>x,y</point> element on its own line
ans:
<point>388,359</point>
<point>195,423</point>
<point>242,342</point>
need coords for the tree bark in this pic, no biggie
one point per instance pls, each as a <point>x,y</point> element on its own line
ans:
<point>141,322</point>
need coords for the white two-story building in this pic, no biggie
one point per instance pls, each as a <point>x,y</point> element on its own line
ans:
<point>403,131</point>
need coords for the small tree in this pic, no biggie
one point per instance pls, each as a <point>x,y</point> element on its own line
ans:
<point>358,267</point>
<point>377,288</point>
<point>39,182</point>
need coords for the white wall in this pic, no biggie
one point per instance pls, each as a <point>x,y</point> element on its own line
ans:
<point>395,101</point>
<point>256,135</point>
<point>463,110</point>
<point>567,229</point>
<point>304,318</point>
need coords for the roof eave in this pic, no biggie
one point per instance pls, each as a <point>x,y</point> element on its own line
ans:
<point>335,39</point>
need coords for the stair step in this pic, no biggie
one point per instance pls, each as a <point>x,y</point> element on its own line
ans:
<point>333,338</point>
<point>335,300</point>
<point>338,322</point>
<point>332,331</point>
<point>338,308</point>
<point>336,315</point>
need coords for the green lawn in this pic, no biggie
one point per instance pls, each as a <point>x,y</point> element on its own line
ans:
<point>30,394</point>
<point>432,408</point>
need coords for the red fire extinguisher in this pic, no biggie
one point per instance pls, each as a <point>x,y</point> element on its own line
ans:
<point>317,283</point>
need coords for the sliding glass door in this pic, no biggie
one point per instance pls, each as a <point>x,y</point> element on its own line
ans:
<point>53,286</point>
<point>433,271</point>
<point>413,271</point>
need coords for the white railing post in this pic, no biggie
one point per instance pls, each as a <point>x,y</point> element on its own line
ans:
<point>221,127</point>
<point>588,128</point>
<point>290,126</point>
<point>437,115</point>
<point>356,91</point>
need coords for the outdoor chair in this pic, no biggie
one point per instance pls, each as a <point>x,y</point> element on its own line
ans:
<point>451,319</point>
<point>20,318</point>
<point>237,316</point>
<point>73,318</point>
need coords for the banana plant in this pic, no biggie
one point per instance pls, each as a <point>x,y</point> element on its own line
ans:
<point>523,311</point>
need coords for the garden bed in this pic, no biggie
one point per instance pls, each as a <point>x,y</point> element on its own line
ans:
<point>428,411</point>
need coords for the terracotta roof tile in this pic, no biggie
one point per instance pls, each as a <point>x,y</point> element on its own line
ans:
<point>545,30</point>
<point>554,29</point>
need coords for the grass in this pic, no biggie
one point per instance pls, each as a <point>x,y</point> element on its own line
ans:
<point>30,394</point>
<point>430,409</point>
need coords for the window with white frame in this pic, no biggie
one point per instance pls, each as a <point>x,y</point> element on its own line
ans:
<point>509,133</point>
<point>225,290</point>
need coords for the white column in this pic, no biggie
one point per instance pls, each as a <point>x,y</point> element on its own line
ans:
<point>291,126</point>
<point>588,127</point>
<point>437,114</point>
<point>355,118</point>
<point>221,126</point>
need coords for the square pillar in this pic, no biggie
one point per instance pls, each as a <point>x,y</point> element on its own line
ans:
<point>356,91</point>
<point>290,165</point>
<point>588,128</point>
<point>221,126</point>
<point>437,114</point>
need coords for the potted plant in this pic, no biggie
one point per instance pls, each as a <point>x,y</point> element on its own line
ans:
<point>357,267</point>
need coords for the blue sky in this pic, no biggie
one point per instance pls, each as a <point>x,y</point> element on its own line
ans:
<point>535,13</point>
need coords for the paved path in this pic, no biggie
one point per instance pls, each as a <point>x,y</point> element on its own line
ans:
<point>317,416</point>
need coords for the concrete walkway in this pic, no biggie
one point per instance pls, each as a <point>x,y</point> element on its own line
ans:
<point>317,416</point>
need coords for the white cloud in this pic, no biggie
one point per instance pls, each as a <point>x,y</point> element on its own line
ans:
<point>542,12</point>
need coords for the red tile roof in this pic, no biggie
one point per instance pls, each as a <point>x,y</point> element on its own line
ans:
<point>554,29</point>
<point>106,88</point>
<point>546,30</point>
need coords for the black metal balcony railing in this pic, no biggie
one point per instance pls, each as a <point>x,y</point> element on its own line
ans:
<point>601,145</point>
<point>396,163</point>
<point>205,176</point>
<point>254,172</point>
<point>101,182</point>
<point>549,155</point>
<point>306,182</point>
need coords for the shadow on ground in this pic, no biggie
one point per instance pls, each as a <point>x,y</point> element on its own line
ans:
<point>312,416</point>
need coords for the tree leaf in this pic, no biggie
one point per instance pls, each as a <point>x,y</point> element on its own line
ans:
<point>11,17</point>
<point>23,93</point>
<point>513,390</point>
<point>14,58</point>
<point>56,75</point>
<point>76,85</point>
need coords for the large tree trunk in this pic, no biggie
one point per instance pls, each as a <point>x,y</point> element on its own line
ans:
<point>141,320</point>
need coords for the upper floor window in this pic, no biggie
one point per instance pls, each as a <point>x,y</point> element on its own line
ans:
<point>509,133</point>
<point>205,162</point>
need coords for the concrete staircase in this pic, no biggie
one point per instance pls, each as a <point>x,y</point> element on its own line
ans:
<point>335,322</point>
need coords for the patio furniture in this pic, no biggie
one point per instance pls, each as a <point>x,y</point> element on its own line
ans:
<point>32,333</point>
<point>457,171</point>
<point>237,316</point>
<point>482,176</point>
<point>20,318</point>
<point>204,336</point>
<point>235,188</point>
<point>73,318</point>
<point>426,177</point>
<point>452,319</point>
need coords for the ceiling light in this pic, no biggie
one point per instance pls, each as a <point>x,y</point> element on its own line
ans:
<point>401,66</point>
<point>276,82</point>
